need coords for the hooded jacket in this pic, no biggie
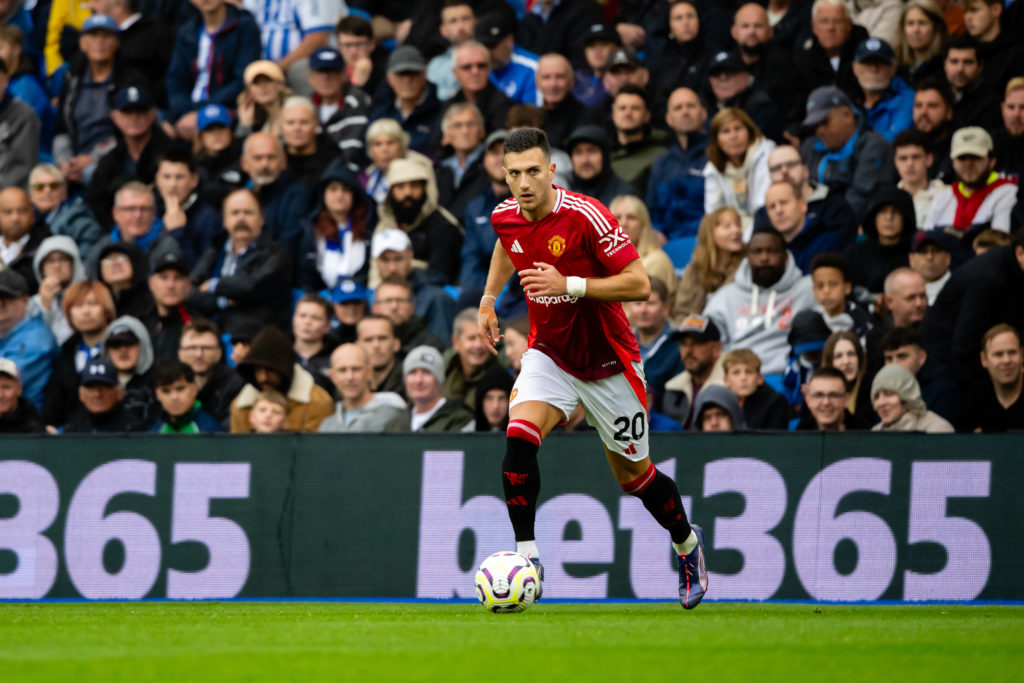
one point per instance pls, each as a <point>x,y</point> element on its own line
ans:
<point>606,185</point>
<point>350,256</point>
<point>717,395</point>
<point>918,418</point>
<point>386,413</point>
<point>496,377</point>
<point>871,261</point>
<point>308,403</point>
<point>137,300</point>
<point>435,234</point>
<point>74,219</point>
<point>139,399</point>
<point>758,319</point>
<point>718,190</point>
<point>815,70</point>
<point>54,315</point>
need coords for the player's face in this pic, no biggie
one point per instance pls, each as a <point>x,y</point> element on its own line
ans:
<point>529,175</point>
<point>715,419</point>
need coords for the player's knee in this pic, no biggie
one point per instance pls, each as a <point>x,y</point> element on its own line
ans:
<point>525,430</point>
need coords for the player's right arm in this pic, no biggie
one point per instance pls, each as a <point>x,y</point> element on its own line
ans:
<point>497,277</point>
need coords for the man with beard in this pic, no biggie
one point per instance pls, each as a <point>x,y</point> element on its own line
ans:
<point>411,205</point>
<point>592,173</point>
<point>700,347</point>
<point>888,100</point>
<point>973,104</point>
<point>770,64</point>
<point>470,360</point>
<point>284,201</point>
<point>979,195</point>
<point>675,189</point>
<point>635,147</point>
<point>375,334</point>
<point>754,311</point>
<point>244,275</point>
<point>933,113</point>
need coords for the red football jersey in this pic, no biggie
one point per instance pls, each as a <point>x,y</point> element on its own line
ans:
<point>588,338</point>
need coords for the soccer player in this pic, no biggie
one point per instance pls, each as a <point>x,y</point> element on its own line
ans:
<point>576,266</point>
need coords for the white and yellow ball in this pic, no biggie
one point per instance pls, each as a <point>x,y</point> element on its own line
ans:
<point>507,582</point>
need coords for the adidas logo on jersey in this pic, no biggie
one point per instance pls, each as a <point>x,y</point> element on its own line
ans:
<point>516,249</point>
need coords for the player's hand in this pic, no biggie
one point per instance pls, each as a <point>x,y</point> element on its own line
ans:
<point>542,280</point>
<point>490,333</point>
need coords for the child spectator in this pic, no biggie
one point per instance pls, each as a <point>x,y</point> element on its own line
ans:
<point>888,225</point>
<point>763,407</point>
<point>717,410</point>
<point>269,412</point>
<point>176,391</point>
<point>830,274</point>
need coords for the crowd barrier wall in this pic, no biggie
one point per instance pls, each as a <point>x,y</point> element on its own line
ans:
<point>787,516</point>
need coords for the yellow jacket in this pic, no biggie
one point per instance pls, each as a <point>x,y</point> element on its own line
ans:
<point>62,13</point>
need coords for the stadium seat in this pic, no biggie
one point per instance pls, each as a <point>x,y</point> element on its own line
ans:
<point>680,250</point>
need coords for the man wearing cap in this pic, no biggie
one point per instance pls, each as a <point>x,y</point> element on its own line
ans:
<point>675,189</point>
<point>472,67</point>
<point>85,131</point>
<point>25,340</point>
<point>599,41</point>
<point>411,205</point>
<point>350,302</point>
<point>101,406</point>
<point>140,143</point>
<point>423,370</point>
<point>700,347</point>
<point>219,161</point>
<point>359,408</point>
<point>460,174</point>
<point>978,194</point>
<point>128,346</point>
<point>592,174</point>
<point>20,235</point>
<point>513,69</point>
<point>479,241</point>
<point>458,24</point>
<point>17,414</point>
<point>930,257</point>
<point>732,85</point>
<point>411,100</point>
<point>847,155</point>
<point>342,109</point>
<point>552,26</point>
<point>207,66</point>
<point>888,100</point>
<point>974,103</point>
<point>393,257</point>
<point>170,287</point>
<point>146,43</point>
<point>826,57</point>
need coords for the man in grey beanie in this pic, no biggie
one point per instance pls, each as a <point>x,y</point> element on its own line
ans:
<point>423,371</point>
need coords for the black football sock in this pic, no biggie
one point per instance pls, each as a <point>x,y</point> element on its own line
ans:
<point>520,477</point>
<point>660,496</point>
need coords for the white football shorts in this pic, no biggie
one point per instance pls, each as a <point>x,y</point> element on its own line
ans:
<point>615,406</point>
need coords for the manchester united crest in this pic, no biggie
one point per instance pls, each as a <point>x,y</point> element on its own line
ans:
<point>556,245</point>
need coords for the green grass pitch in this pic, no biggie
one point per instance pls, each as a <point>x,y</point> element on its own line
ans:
<point>550,642</point>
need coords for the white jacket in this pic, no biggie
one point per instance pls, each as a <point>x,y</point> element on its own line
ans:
<point>995,209</point>
<point>718,190</point>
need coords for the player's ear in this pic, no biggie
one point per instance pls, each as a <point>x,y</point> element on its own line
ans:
<point>553,166</point>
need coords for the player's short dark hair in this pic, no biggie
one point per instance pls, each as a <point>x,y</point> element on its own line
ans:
<point>314,298</point>
<point>354,26</point>
<point>832,260</point>
<point>522,139</point>
<point>659,287</point>
<point>457,3</point>
<point>901,336</point>
<point>169,371</point>
<point>911,137</point>
<point>178,155</point>
<point>940,86</point>
<point>962,42</point>
<point>827,372</point>
<point>631,89</point>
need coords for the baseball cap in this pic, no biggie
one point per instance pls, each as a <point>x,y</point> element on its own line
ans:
<point>427,358</point>
<point>10,368</point>
<point>600,33</point>
<point>212,114</point>
<point>99,371</point>
<point>821,100</point>
<point>12,284</point>
<point>263,67</point>
<point>622,57</point>
<point>874,50</point>
<point>133,97</point>
<point>727,62</point>
<point>491,29</point>
<point>699,327</point>
<point>169,260</point>
<point>326,59</point>
<point>389,240</point>
<point>588,133</point>
<point>939,238</point>
<point>100,22</point>
<point>121,335</point>
<point>971,141</point>
<point>349,290</point>
<point>244,331</point>
<point>406,58</point>
<point>495,137</point>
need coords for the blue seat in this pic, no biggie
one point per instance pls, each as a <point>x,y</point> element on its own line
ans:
<point>679,251</point>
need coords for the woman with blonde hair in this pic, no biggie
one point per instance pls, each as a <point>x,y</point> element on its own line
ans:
<point>921,40</point>
<point>716,257</point>
<point>844,352</point>
<point>261,103</point>
<point>631,213</point>
<point>736,174</point>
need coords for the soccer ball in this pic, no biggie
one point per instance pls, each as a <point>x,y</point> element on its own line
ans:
<point>507,582</point>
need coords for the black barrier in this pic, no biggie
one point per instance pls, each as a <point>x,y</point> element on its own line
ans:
<point>787,516</point>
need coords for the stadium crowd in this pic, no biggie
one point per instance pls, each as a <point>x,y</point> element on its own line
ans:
<point>274,215</point>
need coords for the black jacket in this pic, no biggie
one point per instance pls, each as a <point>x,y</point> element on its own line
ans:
<point>147,45</point>
<point>453,198</point>
<point>71,90</point>
<point>23,264</point>
<point>285,203</point>
<point>563,119</point>
<point>118,420</point>
<point>679,64</point>
<point>24,419</point>
<point>219,391</point>
<point>111,173</point>
<point>870,261</point>
<point>307,168</point>
<point>137,300</point>
<point>220,174</point>
<point>814,69</point>
<point>766,409</point>
<point>423,124</point>
<point>62,389</point>
<point>259,289</point>
<point>492,103</point>
<point>563,32</point>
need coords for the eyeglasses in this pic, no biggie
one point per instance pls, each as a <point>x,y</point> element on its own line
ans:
<point>785,165</point>
<point>482,66</point>
<point>135,209</point>
<point>201,349</point>
<point>393,301</point>
<point>819,396</point>
<point>39,187</point>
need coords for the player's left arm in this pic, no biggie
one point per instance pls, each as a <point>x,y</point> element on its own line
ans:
<point>629,284</point>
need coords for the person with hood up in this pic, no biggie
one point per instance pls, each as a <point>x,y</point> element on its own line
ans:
<point>888,227</point>
<point>736,174</point>
<point>270,364</point>
<point>101,407</point>
<point>755,310</point>
<point>807,336</point>
<point>57,265</point>
<point>124,269</point>
<point>336,239</point>
<point>684,59</point>
<point>592,172</point>
<point>492,397</point>
<point>718,410</point>
<point>896,396</point>
<point>411,205</point>
<point>128,347</point>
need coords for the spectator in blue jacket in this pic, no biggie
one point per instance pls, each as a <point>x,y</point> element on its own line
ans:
<point>888,100</point>
<point>513,68</point>
<point>654,336</point>
<point>210,55</point>
<point>48,191</point>
<point>478,244</point>
<point>805,236</point>
<point>411,101</point>
<point>675,189</point>
<point>187,218</point>
<point>285,201</point>
<point>25,340</point>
